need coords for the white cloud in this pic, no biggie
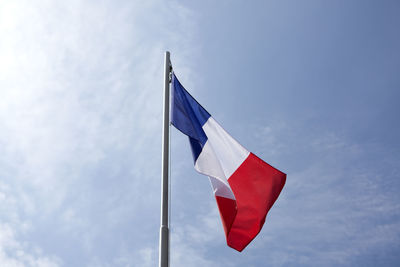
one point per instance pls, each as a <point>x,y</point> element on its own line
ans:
<point>81,93</point>
<point>14,253</point>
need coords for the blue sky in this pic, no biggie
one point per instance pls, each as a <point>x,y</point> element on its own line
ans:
<point>312,87</point>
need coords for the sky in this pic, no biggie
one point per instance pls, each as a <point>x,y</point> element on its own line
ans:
<point>311,87</point>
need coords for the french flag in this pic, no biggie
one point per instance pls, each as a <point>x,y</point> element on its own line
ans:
<point>245,187</point>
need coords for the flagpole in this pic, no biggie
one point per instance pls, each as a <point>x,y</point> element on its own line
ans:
<point>164,230</point>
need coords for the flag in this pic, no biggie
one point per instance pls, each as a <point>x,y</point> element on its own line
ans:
<point>245,187</point>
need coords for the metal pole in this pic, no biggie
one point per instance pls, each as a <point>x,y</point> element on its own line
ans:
<point>164,231</point>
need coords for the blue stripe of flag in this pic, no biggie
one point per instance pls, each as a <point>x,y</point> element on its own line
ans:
<point>188,116</point>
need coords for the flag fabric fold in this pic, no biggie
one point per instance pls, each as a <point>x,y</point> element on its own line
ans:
<point>245,187</point>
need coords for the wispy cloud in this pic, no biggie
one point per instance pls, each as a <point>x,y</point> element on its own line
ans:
<point>80,121</point>
<point>341,204</point>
